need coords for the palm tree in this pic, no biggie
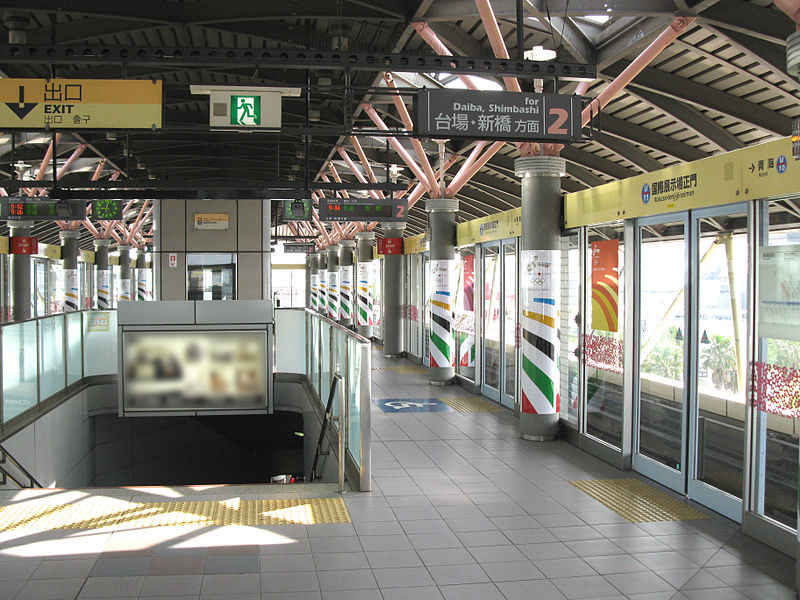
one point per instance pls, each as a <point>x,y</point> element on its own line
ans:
<point>719,359</point>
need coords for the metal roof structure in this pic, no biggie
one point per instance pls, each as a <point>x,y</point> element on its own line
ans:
<point>721,85</point>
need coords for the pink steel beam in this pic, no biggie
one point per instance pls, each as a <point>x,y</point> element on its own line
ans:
<point>140,218</point>
<point>429,35</point>
<point>412,164</point>
<point>464,175</point>
<point>678,26</point>
<point>359,175</point>
<point>791,8</point>
<point>489,21</point>
<point>48,156</point>
<point>406,118</point>
<point>365,161</point>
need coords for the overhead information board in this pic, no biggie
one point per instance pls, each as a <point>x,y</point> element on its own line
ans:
<point>27,209</point>
<point>80,104</point>
<point>498,115</point>
<point>300,248</point>
<point>351,209</point>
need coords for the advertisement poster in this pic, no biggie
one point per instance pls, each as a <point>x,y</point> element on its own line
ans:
<point>346,292</point>
<point>71,289</point>
<point>322,292</point>
<point>314,290</point>
<point>125,289</point>
<point>333,294</point>
<point>779,293</point>
<point>364,295</point>
<point>102,288</point>
<point>605,285</point>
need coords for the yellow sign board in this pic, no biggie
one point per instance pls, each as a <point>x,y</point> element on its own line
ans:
<point>50,251</point>
<point>769,170</point>
<point>415,244</point>
<point>507,224</point>
<point>211,220</point>
<point>80,104</point>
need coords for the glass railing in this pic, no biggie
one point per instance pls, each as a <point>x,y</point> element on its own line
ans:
<point>331,349</point>
<point>44,356</point>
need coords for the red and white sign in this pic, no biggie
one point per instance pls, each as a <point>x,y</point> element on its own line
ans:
<point>24,245</point>
<point>390,246</point>
<point>173,259</point>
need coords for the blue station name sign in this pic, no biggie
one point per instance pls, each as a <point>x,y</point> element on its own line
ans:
<point>512,116</point>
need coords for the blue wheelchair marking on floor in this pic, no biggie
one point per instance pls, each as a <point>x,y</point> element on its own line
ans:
<point>407,405</point>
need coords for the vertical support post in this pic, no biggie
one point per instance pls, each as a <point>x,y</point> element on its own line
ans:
<point>540,287</point>
<point>392,295</point>
<point>442,225</point>
<point>309,281</point>
<point>125,274</point>
<point>346,282</point>
<point>102,274</point>
<point>333,282</point>
<point>364,321</point>
<point>322,296</point>
<point>141,276</point>
<point>69,264</point>
<point>21,289</point>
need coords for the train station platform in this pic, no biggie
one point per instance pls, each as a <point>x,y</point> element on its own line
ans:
<point>461,508</point>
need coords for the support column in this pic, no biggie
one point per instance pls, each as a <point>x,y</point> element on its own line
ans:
<point>392,295</point>
<point>69,265</point>
<point>313,268</point>
<point>102,274</point>
<point>141,276</point>
<point>333,282</point>
<point>21,289</point>
<point>540,288</point>
<point>322,271</point>
<point>346,282</point>
<point>442,225</point>
<point>307,302</point>
<point>125,274</point>
<point>364,321</point>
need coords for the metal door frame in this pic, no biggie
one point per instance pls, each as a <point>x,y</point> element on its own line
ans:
<point>508,398</point>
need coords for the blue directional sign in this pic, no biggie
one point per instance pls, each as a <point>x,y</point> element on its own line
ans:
<point>409,405</point>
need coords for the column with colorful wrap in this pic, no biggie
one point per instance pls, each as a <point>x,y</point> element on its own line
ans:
<point>346,282</point>
<point>540,302</point>
<point>442,342</point>
<point>333,282</point>
<point>540,288</point>
<point>141,277</point>
<point>69,263</point>
<point>364,320</point>
<point>102,273</point>
<point>313,265</point>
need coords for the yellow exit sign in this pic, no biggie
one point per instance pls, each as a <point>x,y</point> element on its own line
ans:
<point>80,104</point>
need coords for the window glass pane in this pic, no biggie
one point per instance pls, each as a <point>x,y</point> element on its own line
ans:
<point>464,324</point>
<point>570,308</point>
<point>19,366</point>
<point>510,318</point>
<point>211,276</point>
<point>776,384</point>
<point>52,366</point>
<point>602,348</point>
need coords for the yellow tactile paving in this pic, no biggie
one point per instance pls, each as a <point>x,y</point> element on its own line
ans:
<point>472,404</point>
<point>637,501</point>
<point>116,514</point>
<point>410,370</point>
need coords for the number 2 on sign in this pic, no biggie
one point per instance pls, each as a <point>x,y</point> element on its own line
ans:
<point>399,211</point>
<point>561,116</point>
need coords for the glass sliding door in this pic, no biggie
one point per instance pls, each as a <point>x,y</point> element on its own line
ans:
<point>660,399</point>
<point>426,317</point>
<point>509,390</point>
<point>492,298</point>
<point>720,264</point>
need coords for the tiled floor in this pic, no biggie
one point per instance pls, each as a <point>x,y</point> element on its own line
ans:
<point>461,509</point>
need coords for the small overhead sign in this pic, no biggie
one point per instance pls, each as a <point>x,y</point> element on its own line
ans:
<point>498,115</point>
<point>26,209</point>
<point>247,108</point>
<point>80,104</point>
<point>299,248</point>
<point>353,209</point>
<point>211,221</point>
<point>796,139</point>
<point>107,210</point>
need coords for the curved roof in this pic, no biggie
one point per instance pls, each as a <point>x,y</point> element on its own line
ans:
<point>721,85</point>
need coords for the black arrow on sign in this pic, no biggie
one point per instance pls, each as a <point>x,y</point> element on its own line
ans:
<point>21,108</point>
<point>752,167</point>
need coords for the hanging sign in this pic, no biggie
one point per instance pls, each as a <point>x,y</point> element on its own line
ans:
<point>605,285</point>
<point>796,139</point>
<point>338,209</point>
<point>25,209</point>
<point>80,104</point>
<point>489,115</point>
<point>299,248</point>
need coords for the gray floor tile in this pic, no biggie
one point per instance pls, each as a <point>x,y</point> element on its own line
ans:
<point>638,583</point>
<point>402,577</point>
<point>359,579</point>
<point>337,544</point>
<point>490,554</point>
<point>160,586</point>
<point>245,563</point>
<point>393,559</point>
<point>426,541</point>
<point>445,556</point>
<point>412,593</point>
<point>564,567</point>
<point>51,589</point>
<point>530,590</point>
<point>231,583</point>
<point>287,564</point>
<point>63,569</point>
<point>457,574</point>
<point>176,565</point>
<point>290,596</point>
<point>520,570</point>
<point>119,567</point>
<point>482,538</point>
<point>341,561</point>
<point>107,587</point>
<point>18,569</point>
<point>620,563</point>
<point>352,595</point>
<point>585,587</point>
<point>286,583</point>
<point>471,591</point>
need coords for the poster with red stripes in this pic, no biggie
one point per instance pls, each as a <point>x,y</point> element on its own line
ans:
<point>605,285</point>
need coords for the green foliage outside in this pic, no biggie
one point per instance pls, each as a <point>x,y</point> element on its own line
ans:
<point>666,357</point>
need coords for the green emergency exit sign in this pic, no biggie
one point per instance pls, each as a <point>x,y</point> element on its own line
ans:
<point>246,110</point>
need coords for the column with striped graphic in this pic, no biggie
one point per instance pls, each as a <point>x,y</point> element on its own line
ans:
<point>314,288</point>
<point>102,278</point>
<point>540,304</point>
<point>364,317</point>
<point>346,293</point>
<point>322,291</point>
<point>141,277</point>
<point>69,264</point>
<point>333,282</point>
<point>442,353</point>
